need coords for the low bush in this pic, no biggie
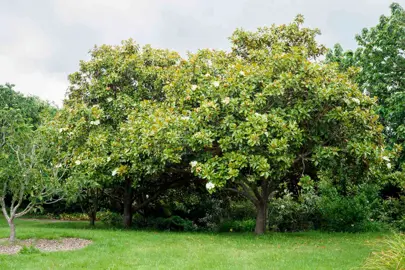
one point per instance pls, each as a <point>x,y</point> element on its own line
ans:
<point>288,214</point>
<point>26,250</point>
<point>74,217</point>
<point>295,213</point>
<point>110,218</point>
<point>247,225</point>
<point>350,213</point>
<point>173,223</point>
<point>241,210</point>
<point>392,212</point>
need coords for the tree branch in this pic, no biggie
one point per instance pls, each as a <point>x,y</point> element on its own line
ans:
<point>3,203</point>
<point>26,210</point>
<point>247,192</point>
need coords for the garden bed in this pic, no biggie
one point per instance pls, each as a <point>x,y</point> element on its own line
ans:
<point>45,245</point>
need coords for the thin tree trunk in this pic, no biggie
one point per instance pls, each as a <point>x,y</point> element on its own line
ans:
<point>261,218</point>
<point>127,218</point>
<point>12,231</point>
<point>92,217</point>
<point>93,208</point>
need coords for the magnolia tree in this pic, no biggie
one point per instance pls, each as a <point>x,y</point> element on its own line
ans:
<point>269,113</point>
<point>105,98</point>
<point>264,114</point>
<point>29,176</point>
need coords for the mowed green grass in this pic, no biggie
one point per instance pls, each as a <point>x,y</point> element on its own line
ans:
<point>119,249</point>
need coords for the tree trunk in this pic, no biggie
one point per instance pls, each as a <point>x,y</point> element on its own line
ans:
<point>261,218</point>
<point>127,219</point>
<point>12,231</point>
<point>93,207</point>
<point>92,217</point>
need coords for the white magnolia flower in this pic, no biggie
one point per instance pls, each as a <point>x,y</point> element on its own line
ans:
<point>96,123</point>
<point>216,83</point>
<point>209,185</point>
<point>242,73</point>
<point>356,100</point>
<point>386,158</point>
<point>193,163</point>
<point>78,162</point>
<point>194,87</point>
<point>114,172</point>
<point>226,100</point>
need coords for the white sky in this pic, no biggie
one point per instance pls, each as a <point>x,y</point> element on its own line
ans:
<point>42,41</point>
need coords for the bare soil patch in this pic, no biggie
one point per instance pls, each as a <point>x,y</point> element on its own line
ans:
<point>46,245</point>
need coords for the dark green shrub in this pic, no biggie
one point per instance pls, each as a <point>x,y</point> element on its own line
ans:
<point>292,214</point>
<point>173,223</point>
<point>110,218</point>
<point>241,210</point>
<point>392,211</point>
<point>350,213</point>
<point>247,225</point>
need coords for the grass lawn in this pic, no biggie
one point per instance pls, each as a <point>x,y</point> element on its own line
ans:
<point>116,249</point>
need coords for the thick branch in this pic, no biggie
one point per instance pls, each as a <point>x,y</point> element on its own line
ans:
<point>248,192</point>
<point>26,210</point>
<point>3,203</point>
<point>20,197</point>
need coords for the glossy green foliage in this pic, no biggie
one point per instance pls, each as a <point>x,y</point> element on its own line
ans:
<point>268,111</point>
<point>108,112</point>
<point>380,60</point>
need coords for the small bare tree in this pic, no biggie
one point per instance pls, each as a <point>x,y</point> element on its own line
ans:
<point>29,176</point>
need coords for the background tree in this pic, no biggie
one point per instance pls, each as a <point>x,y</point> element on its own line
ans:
<point>28,175</point>
<point>380,57</point>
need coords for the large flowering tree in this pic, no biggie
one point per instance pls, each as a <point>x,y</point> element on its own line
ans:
<point>268,112</point>
<point>108,116</point>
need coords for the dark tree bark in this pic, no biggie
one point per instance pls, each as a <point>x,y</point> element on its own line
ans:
<point>127,218</point>
<point>92,217</point>
<point>261,217</point>
<point>94,195</point>
<point>259,197</point>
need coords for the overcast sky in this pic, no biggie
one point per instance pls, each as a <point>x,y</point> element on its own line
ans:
<point>42,41</point>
